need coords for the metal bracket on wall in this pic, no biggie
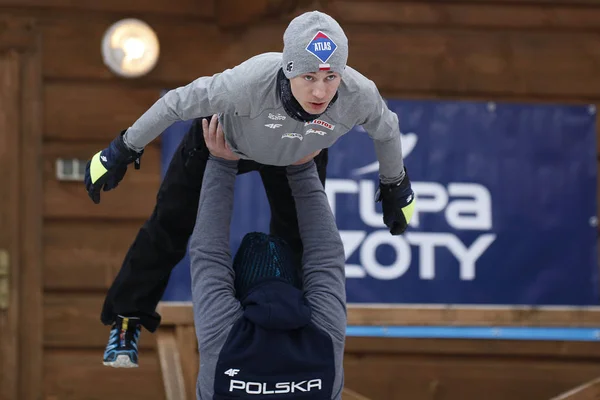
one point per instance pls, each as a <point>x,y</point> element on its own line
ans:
<point>4,279</point>
<point>70,169</point>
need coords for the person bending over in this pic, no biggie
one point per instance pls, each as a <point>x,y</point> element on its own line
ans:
<point>268,324</point>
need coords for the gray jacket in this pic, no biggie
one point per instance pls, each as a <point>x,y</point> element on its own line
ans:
<point>216,309</point>
<point>256,126</point>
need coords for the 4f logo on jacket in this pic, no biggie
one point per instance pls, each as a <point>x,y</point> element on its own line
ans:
<point>263,388</point>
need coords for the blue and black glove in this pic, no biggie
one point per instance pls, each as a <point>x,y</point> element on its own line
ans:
<point>107,167</point>
<point>398,203</point>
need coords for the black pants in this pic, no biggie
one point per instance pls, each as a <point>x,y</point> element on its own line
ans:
<point>162,241</point>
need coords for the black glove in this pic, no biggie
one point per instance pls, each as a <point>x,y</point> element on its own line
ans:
<point>397,201</point>
<point>107,167</point>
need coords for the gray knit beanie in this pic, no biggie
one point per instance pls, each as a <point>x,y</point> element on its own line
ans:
<point>314,42</point>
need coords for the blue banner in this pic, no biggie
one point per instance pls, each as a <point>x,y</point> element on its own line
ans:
<point>505,212</point>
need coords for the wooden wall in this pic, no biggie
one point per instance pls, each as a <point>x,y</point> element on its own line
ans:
<point>458,369</point>
<point>522,50</point>
<point>432,369</point>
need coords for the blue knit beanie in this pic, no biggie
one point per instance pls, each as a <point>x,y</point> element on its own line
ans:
<point>262,256</point>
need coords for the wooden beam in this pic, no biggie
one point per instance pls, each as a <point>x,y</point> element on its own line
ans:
<point>384,315</point>
<point>170,365</point>
<point>176,313</point>
<point>418,315</point>
<point>20,119</point>
<point>590,3</point>
<point>400,59</point>
<point>72,321</point>
<point>239,13</point>
<point>188,354</point>
<point>412,375</point>
<point>10,313</point>
<point>92,112</point>
<point>75,258</point>
<point>189,49</point>
<point>583,351</point>
<point>133,199</point>
<point>76,374</point>
<point>183,8</point>
<point>348,394</point>
<point>587,391</point>
<point>17,33</point>
<point>31,326</point>
<point>486,15</point>
<point>242,13</point>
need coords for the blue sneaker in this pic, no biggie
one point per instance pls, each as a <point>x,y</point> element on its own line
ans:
<point>122,348</point>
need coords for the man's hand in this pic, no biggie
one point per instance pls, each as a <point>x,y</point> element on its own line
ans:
<point>307,158</point>
<point>215,140</point>
<point>397,202</point>
<point>107,167</point>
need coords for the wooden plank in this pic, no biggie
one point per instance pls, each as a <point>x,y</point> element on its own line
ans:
<point>184,8</point>
<point>383,315</point>
<point>494,63</point>
<point>17,33</point>
<point>400,59</point>
<point>73,321</point>
<point>10,77</point>
<point>93,111</point>
<point>30,222</point>
<point>242,13</point>
<point>511,2</point>
<point>588,391</point>
<point>176,312</point>
<point>417,377</point>
<point>133,199</point>
<point>79,374</point>
<point>188,354</point>
<point>81,255</point>
<point>473,316</point>
<point>170,365</point>
<point>348,394</point>
<point>465,369</point>
<point>101,111</point>
<point>189,49</point>
<point>558,350</point>
<point>484,15</point>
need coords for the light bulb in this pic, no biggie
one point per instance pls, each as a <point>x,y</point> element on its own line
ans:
<point>130,48</point>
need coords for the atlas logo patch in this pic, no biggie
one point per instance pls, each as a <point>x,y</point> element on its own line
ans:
<point>322,47</point>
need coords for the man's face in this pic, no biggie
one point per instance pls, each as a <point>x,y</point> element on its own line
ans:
<point>315,90</point>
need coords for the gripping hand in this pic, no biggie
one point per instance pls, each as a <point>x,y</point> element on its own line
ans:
<point>397,202</point>
<point>107,167</point>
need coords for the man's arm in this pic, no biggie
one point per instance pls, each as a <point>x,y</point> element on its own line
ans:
<point>382,125</point>
<point>222,92</point>
<point>204,96</point>
<point>213,293</point>
<point>323,261</point>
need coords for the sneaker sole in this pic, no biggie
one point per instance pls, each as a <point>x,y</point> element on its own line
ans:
<point>122,361</point>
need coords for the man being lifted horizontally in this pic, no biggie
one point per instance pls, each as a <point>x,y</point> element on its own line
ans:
<point>275,109</point>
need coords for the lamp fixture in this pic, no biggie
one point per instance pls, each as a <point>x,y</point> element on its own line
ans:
<point>130,48</point>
